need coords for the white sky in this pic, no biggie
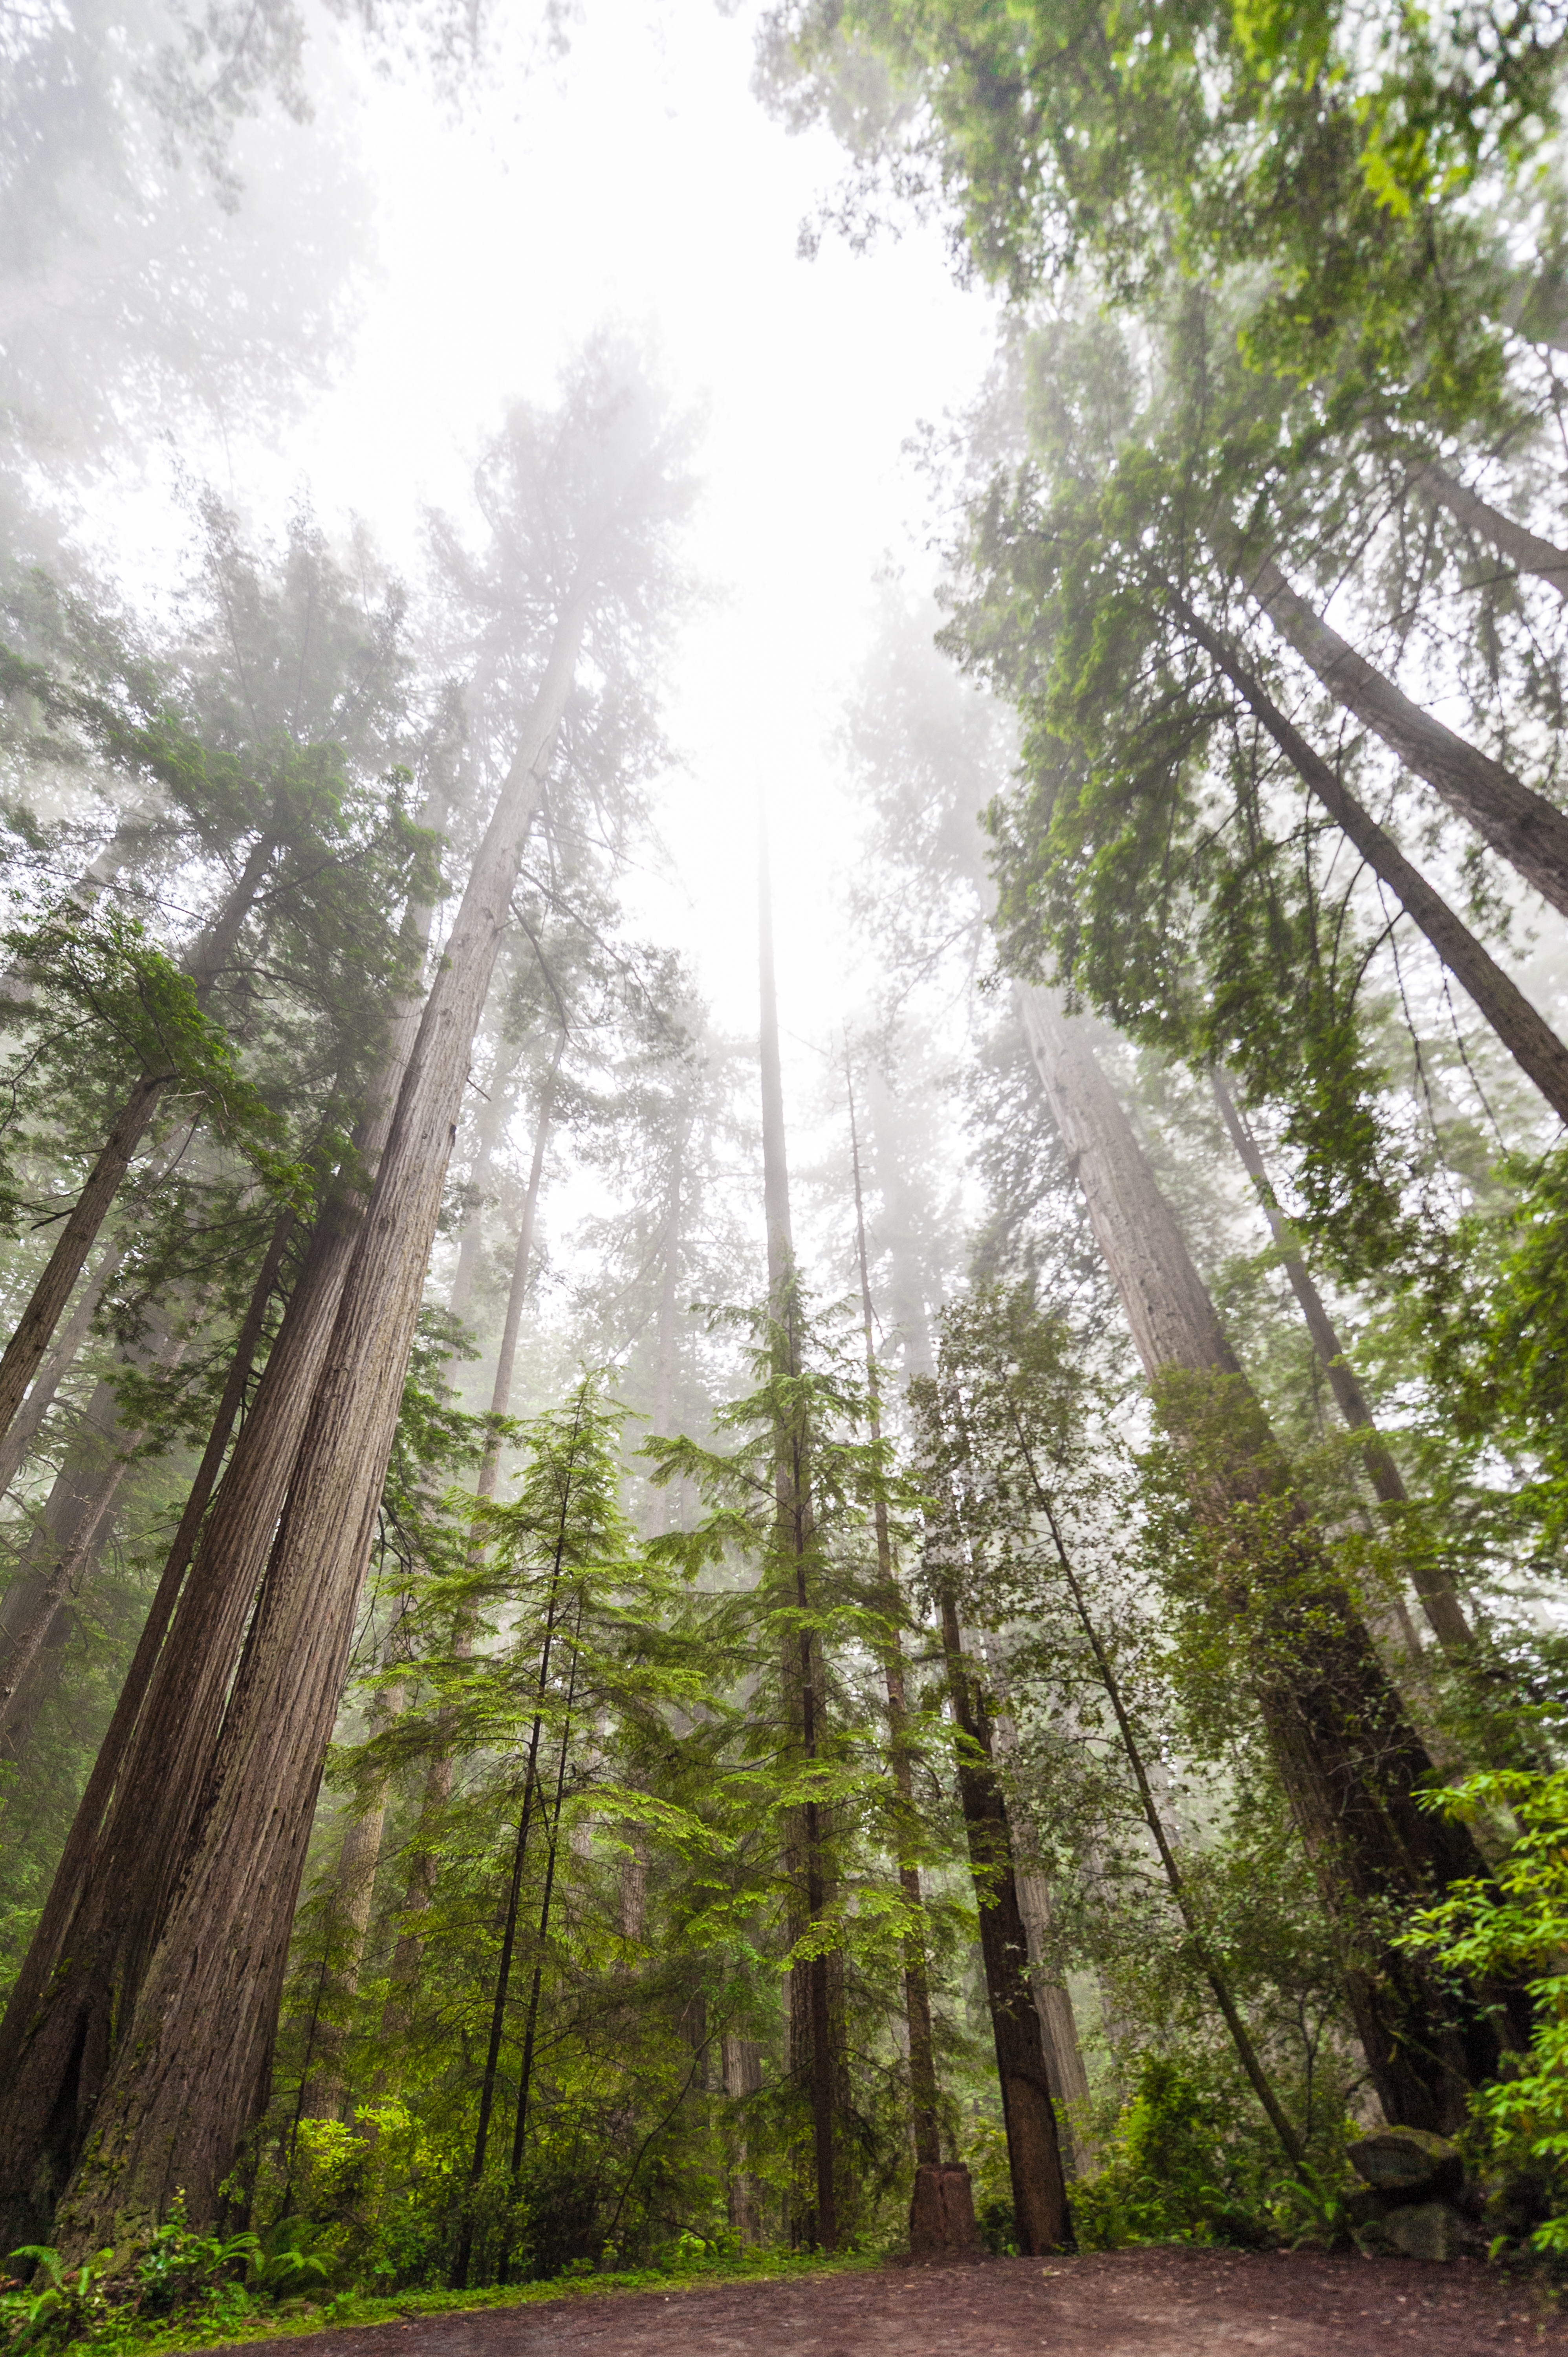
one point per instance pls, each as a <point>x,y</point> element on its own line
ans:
<point>641,180</point>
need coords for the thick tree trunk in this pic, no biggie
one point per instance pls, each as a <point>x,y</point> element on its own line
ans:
<point>192,2068</point>
<point>1438,1600</point>
<point>1350,1764</point>
<point>1524,1031</point>
<point>1529,832</point>
<point>1034,2153</point>
<point>55,1286</point>
<point>86,1953</point>
<point>810,2025</point>
<point>1522,548</point>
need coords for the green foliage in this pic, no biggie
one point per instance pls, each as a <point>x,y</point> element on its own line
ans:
<point>1176,2171</point>
<point>1517,1926</point>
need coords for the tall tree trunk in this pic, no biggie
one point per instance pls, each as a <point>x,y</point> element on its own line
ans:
<point>73,1525</point>
<point>811,2035</point>
<point>1522,548</point>
<point>55,1286</point>
<point>1529,832</point>
<point>28,1419</point>
<point>398,2012</point>
<point>923,2103</point>
<point>1202,1952</point>
<point>487,1136</point>
<point>1438,1600</point>
<point>132,1830</point>
<point>907,1304</point>
<point>1350,1762</point>
<point>348,1928</point>
<point>1033,2152</point>
<point>192,2069</point>
<point>667,1343</point>
<point>1053,2002</point>
<point>1525,1033</point>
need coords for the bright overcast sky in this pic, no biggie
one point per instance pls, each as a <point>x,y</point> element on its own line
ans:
<point>639,178</point>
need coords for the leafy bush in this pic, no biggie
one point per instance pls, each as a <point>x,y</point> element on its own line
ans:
<point>1169,2178</point>
<point>1517,1926</point>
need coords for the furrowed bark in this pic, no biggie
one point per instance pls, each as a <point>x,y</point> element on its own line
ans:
<point>1529,832</point>
<point>1350,1761</point>
<point>1524,1031</point>
<point>323,2094</point>
<point>35,1327</point>
<point>1041,2221</point>
<point>1438,1600</point>
<point>192,2067</point>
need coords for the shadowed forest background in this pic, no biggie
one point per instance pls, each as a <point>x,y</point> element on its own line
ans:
<point>784,1398</point>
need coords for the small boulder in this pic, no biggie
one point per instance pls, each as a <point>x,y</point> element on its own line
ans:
<point>1408,2164</point>
<point>941,2212</point>
<point>1422,2230</point>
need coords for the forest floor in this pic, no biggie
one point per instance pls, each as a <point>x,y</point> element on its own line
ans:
<point>1146,2303</point>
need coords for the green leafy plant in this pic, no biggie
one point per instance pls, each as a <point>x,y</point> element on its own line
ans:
<point>58,2305</point>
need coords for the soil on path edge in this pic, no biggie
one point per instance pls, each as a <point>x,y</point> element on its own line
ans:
<point>1154,2303</point>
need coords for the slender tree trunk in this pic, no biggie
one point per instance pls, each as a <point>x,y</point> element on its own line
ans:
<point>923,2103</point>
<point>1521,547</point>
<point>810,2008</point>
<point>1034,2153</point>
<point>1246,2053</point>
<point>192,2070</point>
<point>1529,832</point>
<point>398,2013</point>
<point>28,1419</point>
<point>35,1327</point>
<point>531,2026</point>
<point>668,1314</point>
<point>1438,1600</point>
<point>1525,1033</point>
<point>1350,1763</point>
<point>1058,2026</point>
<point>487,1130</point>
<point>357,1860</point>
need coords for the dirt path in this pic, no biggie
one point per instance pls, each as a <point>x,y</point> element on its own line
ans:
<point>1168,2303</point>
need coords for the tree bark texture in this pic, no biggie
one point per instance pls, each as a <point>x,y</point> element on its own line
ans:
<point>1034,2153</point>
<point>192,2068</point>
<point>1527,830</point>
<point>1524,1031</point>
<point>1438,1600</point>
<point>35,1327</point>
<point>1347,1757</point>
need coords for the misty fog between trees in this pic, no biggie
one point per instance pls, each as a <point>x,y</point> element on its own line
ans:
<point>657,1607</point>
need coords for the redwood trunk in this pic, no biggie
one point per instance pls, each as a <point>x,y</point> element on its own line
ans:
<point>192,2068</point>
<point>1530,832</point>
<point>1525,1033</point>
<point>1521,547</point>
<point>1438,1600</point>
<point>28,1419</point>
<point>1034,2153</point>
<point>1349,1759</point>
